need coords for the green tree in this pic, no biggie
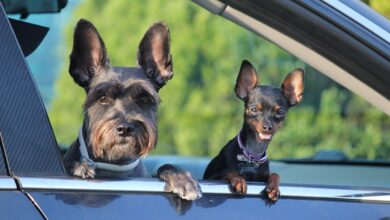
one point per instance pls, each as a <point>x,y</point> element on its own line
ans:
<point>382,6</point>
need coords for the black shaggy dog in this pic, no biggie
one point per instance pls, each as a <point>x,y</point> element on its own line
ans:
<point>120,110</point>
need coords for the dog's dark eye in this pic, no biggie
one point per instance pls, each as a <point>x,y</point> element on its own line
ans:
<point>254,110</point>
<point>104,100</point>
<point>280,113</point>
<point>144,99</point>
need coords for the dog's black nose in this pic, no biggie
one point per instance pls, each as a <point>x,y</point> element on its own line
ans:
<point>267,128</point>
<point>124,129</point>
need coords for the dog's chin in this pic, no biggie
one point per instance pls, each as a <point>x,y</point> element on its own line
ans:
<point>120,152</point>
<point>264,137</point>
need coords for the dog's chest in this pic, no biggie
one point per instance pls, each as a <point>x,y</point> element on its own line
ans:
<point>253,171</point>
<point>247,168</point>
<point>138,171</point>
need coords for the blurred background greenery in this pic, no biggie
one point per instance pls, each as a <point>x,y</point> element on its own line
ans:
<point>199,112</point>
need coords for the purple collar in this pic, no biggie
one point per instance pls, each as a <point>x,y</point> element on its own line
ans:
<point>254,158</point>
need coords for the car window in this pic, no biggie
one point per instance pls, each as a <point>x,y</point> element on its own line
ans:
<point>200,112</point>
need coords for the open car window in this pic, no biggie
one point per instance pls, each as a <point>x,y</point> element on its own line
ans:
<point>332,125</point>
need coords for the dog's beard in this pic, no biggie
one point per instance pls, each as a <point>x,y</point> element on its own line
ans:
<point>107,145</point>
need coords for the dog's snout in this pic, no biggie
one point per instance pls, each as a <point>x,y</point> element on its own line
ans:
<point>125,129</point>
<point>267,128</point>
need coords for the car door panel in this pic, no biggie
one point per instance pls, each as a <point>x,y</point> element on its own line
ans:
<point>15,205</point>
<point>109,205</point>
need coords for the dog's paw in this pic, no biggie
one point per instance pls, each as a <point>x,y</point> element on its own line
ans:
<point>272,190</point>
<point>182,184</point>
<point>273,193</point>
<point>83,171</point>
<point>237,182</point>
<point>239,185</point>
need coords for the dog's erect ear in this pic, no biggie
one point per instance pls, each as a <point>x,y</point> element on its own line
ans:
<point>154,54</point>
<point>246,80</point>
<point>89,54</point>
<point>293,86</point>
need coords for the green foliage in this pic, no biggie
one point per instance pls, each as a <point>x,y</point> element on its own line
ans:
<point>382,6</point>
<point>66,111</point>
<point>358,134</point>
<point>199,112</point>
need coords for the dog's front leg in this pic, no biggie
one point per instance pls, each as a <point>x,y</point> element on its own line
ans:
<point>273,192</point>
<point>237,182</point>
<point>179,182</point>
<point>83,170</point>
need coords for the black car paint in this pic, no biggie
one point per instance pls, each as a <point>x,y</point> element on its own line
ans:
<point>109,205</point>
<point>16,205</point>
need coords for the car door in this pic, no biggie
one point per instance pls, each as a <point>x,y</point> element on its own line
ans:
<point>35,185</point>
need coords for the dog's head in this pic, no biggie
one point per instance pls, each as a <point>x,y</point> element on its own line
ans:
<point>120,109</point>
<point>267,106</point>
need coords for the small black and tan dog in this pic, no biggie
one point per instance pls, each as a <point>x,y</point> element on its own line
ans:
<point>244,158</point>
<point>120,110</point>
